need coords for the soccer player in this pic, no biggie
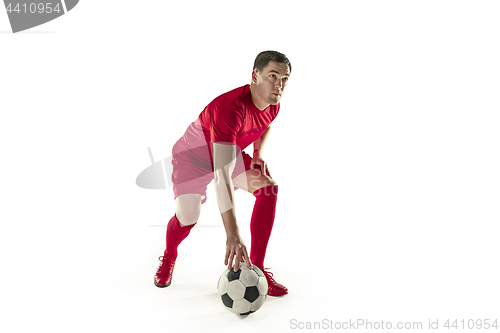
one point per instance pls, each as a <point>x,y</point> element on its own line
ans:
<point>212,149</point>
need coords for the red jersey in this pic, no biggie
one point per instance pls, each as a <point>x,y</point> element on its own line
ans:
<point>232,117</point>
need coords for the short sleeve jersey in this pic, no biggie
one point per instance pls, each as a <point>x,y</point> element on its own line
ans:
<point>231,118</point>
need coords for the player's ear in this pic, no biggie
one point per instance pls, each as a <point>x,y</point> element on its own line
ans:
<point>254,76</point>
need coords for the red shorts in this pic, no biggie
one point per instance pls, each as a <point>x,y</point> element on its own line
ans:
<point>190,175</point>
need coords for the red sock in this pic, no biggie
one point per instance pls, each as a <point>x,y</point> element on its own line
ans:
<point>262,222</point>
<point>176,233</point>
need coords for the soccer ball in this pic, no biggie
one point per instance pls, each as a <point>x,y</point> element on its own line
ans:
<point>242,292</point>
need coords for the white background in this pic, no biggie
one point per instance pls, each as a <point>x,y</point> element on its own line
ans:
<point>386,151</point>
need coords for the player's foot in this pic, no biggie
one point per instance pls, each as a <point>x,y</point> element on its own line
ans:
<point>163,276</point>
<point>274,288</point>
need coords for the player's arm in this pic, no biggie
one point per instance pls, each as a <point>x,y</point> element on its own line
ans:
<point>224,157</point>
<point>258,145</point>
<point>258,150</point>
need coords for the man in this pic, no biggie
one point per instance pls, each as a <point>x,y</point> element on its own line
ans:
<point>212,149</point>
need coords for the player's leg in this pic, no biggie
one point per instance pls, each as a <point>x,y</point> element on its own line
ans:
<point>187,212</point>
<point>265,190</point>
<point>190,184</point>
<point>253,180</point>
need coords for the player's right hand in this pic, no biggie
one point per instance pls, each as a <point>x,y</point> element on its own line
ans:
<point>236,251</point>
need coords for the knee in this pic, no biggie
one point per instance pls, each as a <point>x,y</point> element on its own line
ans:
<point>188,216</point>
<point>188,208</point>
<point>268,190</point>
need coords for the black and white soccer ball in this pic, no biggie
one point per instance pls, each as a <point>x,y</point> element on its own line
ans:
<point>243,292</point>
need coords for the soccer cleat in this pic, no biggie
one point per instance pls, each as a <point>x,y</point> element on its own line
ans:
<point>274,288</point>
<point>163,276</point>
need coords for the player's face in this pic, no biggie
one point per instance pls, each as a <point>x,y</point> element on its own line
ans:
<point>270,84</point>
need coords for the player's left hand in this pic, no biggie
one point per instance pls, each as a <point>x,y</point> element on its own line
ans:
<point>259,162</point>
<point>236,251</point>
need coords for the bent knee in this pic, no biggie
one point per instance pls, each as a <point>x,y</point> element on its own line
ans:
<point>188,215</point>
<point>188,209</point>
<point>188,218</point>
<point>270,189</point>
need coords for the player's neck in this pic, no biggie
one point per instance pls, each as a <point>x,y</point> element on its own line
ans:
<point>257,101</point>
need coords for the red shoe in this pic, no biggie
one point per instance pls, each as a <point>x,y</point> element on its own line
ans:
<point>163,277</point>
<point>274,288</point>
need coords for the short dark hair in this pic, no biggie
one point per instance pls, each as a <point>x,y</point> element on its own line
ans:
<point>265,57</point>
